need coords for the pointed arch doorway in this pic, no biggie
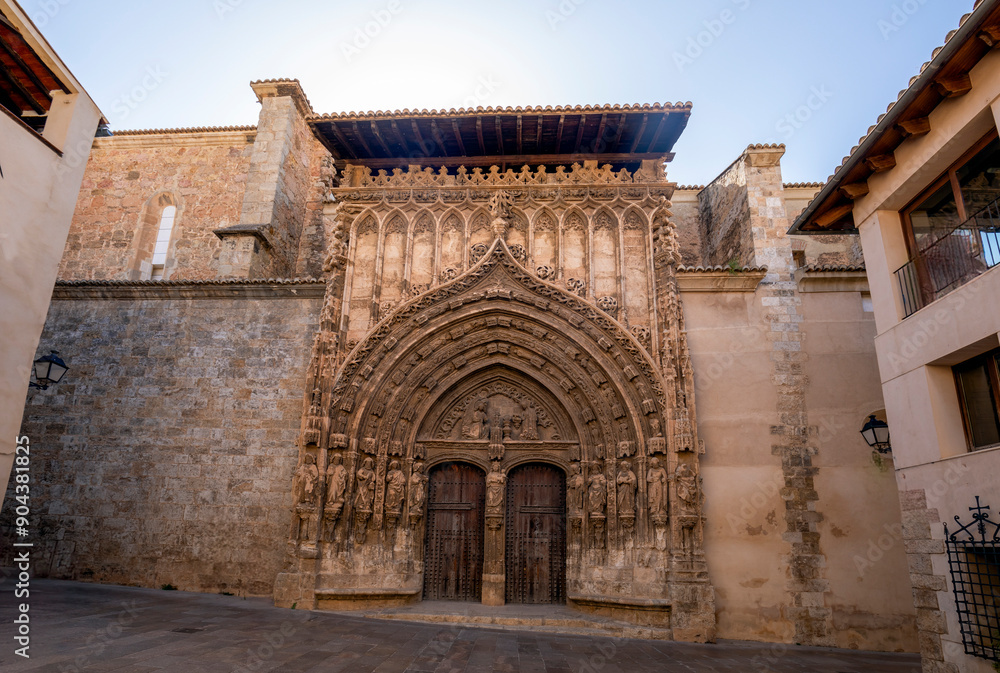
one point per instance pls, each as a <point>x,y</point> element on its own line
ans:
<point>536,535</point>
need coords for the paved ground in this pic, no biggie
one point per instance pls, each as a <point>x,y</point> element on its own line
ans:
<point>87,627</point>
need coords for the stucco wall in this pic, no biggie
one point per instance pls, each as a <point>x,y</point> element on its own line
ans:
<point>747,544</point>
<point>167,457</point>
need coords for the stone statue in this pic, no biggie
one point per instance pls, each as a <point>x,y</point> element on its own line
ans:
<point>417,495</point>
<point>686,486</point>
<point>336,481</point>
<point>366,487</point>
<point>574,486</point>
<point>597,492</point>
<point>307,481</point>
<point>626,481</point>
<point>395,484</point>
<point>479,426</point>
<point>529,425</point>
<point>495,482</point>
<point>656,478</point>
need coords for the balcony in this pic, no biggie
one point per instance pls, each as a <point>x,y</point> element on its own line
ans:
<point>950,258</point>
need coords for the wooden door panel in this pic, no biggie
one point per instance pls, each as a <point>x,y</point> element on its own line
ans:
<point>453,558</point>
<point>536,535</point>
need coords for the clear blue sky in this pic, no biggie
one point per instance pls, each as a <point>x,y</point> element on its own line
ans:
<point>746,65</point>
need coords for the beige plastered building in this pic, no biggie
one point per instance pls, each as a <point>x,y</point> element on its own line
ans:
<point>920,191</point>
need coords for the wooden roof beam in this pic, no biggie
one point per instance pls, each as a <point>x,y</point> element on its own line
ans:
<point>599,138</point>
<point>438,138</point>
<point>881,162</point>
<point>378,136</point>
<point>833,215</point>
<point>499,134</point>
<point>621,128</point>
<point>538,134</point>
<point>638,136</point>
<point>458,137</point>
<point>990,35</point>
<point>656,136</point>
<point>35,79</point>
<point>399,136</point>
<point>562,122</point>
<point>579,134</point>
<point>953,87</point>
<point>343,140</point>
<point>914,127</point>
<point>22,91</point>
<point>479,135</point>
<point>519,145</point>
<point>854,190</point>
<point>424,147</point>
<point>361,138</point>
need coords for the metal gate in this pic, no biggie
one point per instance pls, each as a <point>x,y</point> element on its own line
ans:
<point>453,559</point>
<point>536,535</point>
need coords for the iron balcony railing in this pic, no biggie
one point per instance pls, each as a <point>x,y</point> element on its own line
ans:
<point>949,258</point>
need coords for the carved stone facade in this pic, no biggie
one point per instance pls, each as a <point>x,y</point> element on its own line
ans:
<point>498,365</point>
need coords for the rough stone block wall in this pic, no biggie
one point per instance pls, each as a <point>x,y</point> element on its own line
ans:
<point>686,217</point>
<point>166,456</point>
<point>725,219</point>
<point>125,173</point>
<point>285,167</point>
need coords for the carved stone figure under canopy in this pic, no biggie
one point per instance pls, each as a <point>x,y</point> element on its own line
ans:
<point>336,481</point>
<point>417,489</point>
<point>686,485</point>
<point>495,482</point>
<point>597,492</point>
<point>529,421</point>
<point>574,488</point>
<point>395,485</point>
<point>366,487</point>
<point>656,478</point>
<point>626,481</point>
<point>306,481</point>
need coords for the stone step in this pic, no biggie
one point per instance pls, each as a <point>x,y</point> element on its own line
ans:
<point>582,626</point>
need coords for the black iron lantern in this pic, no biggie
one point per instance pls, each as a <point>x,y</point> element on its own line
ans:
<point>876,433</point>
<point>48,369</point>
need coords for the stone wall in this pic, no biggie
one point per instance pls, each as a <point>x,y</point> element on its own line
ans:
<point>166,457</point>
<point>724,215</point>
<point>686,217</point>
<point>204,173</point>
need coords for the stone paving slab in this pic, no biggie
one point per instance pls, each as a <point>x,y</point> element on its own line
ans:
<point>80,627</point>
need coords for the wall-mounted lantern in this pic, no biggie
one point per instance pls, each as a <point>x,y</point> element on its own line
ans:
<point>48,369</point>
<point>876,433</point>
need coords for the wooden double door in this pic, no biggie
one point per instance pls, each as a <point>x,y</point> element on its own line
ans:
<point>535,534</point>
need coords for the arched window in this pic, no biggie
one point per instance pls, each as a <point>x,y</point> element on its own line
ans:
<point>162,241</point>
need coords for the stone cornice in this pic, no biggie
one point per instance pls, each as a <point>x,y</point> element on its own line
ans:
<point>831,279</point>
<point>179,137</point>
<point>230,288</point>
<point>719,279</point>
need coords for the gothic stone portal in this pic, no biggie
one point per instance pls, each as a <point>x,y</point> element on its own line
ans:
<point>578,431</point>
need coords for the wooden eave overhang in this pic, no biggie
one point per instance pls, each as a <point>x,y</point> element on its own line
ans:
<point>945,76</point>
<point>26,82</point>
<point>620,135</point>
